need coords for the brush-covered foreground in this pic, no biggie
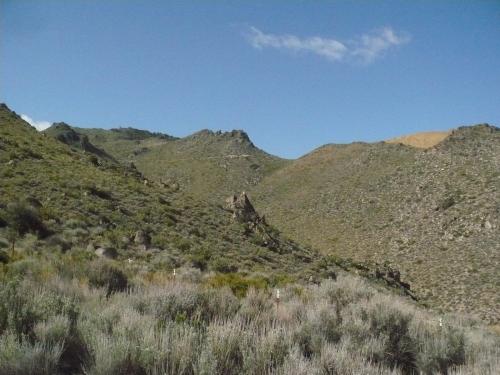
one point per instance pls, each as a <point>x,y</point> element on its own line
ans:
<point>60,315</point>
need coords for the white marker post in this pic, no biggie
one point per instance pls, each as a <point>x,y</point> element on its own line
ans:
<point>277,300</point>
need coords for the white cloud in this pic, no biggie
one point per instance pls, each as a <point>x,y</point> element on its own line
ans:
<point>39,125</point>
<point>364,49</point>
<point>372,45</point>
<point>328,48</point>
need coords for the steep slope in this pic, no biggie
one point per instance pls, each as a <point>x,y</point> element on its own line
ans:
<point>432,213</point>
<point>82,204</point>
<point>66,134</point>
<point>206,165</point>
<point>124,143</point>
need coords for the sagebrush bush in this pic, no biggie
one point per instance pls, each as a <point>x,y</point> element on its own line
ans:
<point>18,356</point>
<point>184,325</point>
<point>104,274</point>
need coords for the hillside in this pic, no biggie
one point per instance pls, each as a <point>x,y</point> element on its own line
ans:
<point>433,213</point>
<point>422,139</point>
<point>413,206</point>
<point>104,274</point>
<point>66,134</point>
<point>88,203</point>
<point>206,165</point>
<point>75,201</point>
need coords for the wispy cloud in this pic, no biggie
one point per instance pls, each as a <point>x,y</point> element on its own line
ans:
<point>370,46</point>
<point>365,48</point>
<point>329,48</point>
<point>39,125</point>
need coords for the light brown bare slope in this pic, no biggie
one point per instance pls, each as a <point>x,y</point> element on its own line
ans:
<point>421,140</point>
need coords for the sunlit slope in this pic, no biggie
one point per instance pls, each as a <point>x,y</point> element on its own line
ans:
<point>422,139</point>
<point>206,165</point>
<point>86,202</point>
<point>433,212</point>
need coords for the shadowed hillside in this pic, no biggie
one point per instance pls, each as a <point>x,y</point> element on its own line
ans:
<point>66,134</point>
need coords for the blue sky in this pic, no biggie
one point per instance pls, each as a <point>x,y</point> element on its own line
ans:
<point>293,74</point>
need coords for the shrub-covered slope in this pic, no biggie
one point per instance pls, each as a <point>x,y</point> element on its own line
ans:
<point>207,165</point>
<point>432,213</point>
<point>82,203</point>
<point>101,273</point>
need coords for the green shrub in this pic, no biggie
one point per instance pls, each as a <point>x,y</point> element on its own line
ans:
<point>103,274</point>
<point>237,283</point>
<point>223,265</point>
<point>21,219</point>
<point>4,257</point>
<point>197,305</point>
<point>199,259</point>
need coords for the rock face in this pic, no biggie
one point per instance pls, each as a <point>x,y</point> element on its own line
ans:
<point>243,211</point>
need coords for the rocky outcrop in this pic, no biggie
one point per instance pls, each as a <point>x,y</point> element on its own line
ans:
<point>66,134</point>
<point>142,239</point>
<point>243,211</point>
<point>392,277</point>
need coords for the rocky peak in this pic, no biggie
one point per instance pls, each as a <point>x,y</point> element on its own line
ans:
<point>477,137</point>
<point>6,111</point>
<point>65,133</point>
<point>68,135</point>
<point>475,131</point>
<point>61,126</point>
<point>129,133</point>
<point>240,136</point>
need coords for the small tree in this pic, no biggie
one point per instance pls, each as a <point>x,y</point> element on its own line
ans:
<point>21,219</point>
